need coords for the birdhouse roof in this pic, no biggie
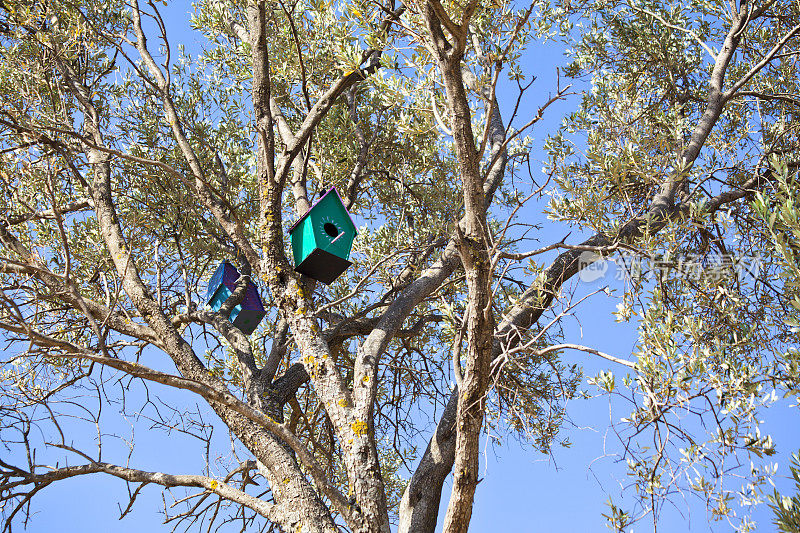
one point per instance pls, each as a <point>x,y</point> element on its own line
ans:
<point>331,190</point>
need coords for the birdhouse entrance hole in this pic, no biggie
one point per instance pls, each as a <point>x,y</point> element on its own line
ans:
<point>330,229</point>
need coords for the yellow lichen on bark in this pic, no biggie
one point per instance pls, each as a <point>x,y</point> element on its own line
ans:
<point>359,427</point>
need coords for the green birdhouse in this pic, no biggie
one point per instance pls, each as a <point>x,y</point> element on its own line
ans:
<point>322,239</point>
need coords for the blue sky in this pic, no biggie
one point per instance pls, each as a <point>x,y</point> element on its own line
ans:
<point>522,490</point>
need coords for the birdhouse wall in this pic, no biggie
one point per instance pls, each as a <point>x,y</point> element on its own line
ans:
<point>303,240</point>
<point>331,212</point>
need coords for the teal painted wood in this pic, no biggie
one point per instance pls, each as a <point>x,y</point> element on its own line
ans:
<point>333,230</point>
<point>303,241</point>
<point>327,226</point>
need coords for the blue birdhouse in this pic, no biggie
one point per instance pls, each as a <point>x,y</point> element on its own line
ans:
<point>247,315</point>
<point>322,239</point>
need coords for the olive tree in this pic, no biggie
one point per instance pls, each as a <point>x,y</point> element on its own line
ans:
<point>130,168</point>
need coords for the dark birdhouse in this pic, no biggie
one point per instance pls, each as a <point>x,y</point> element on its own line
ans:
<point>322,239</point>
<point>247,315</point>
